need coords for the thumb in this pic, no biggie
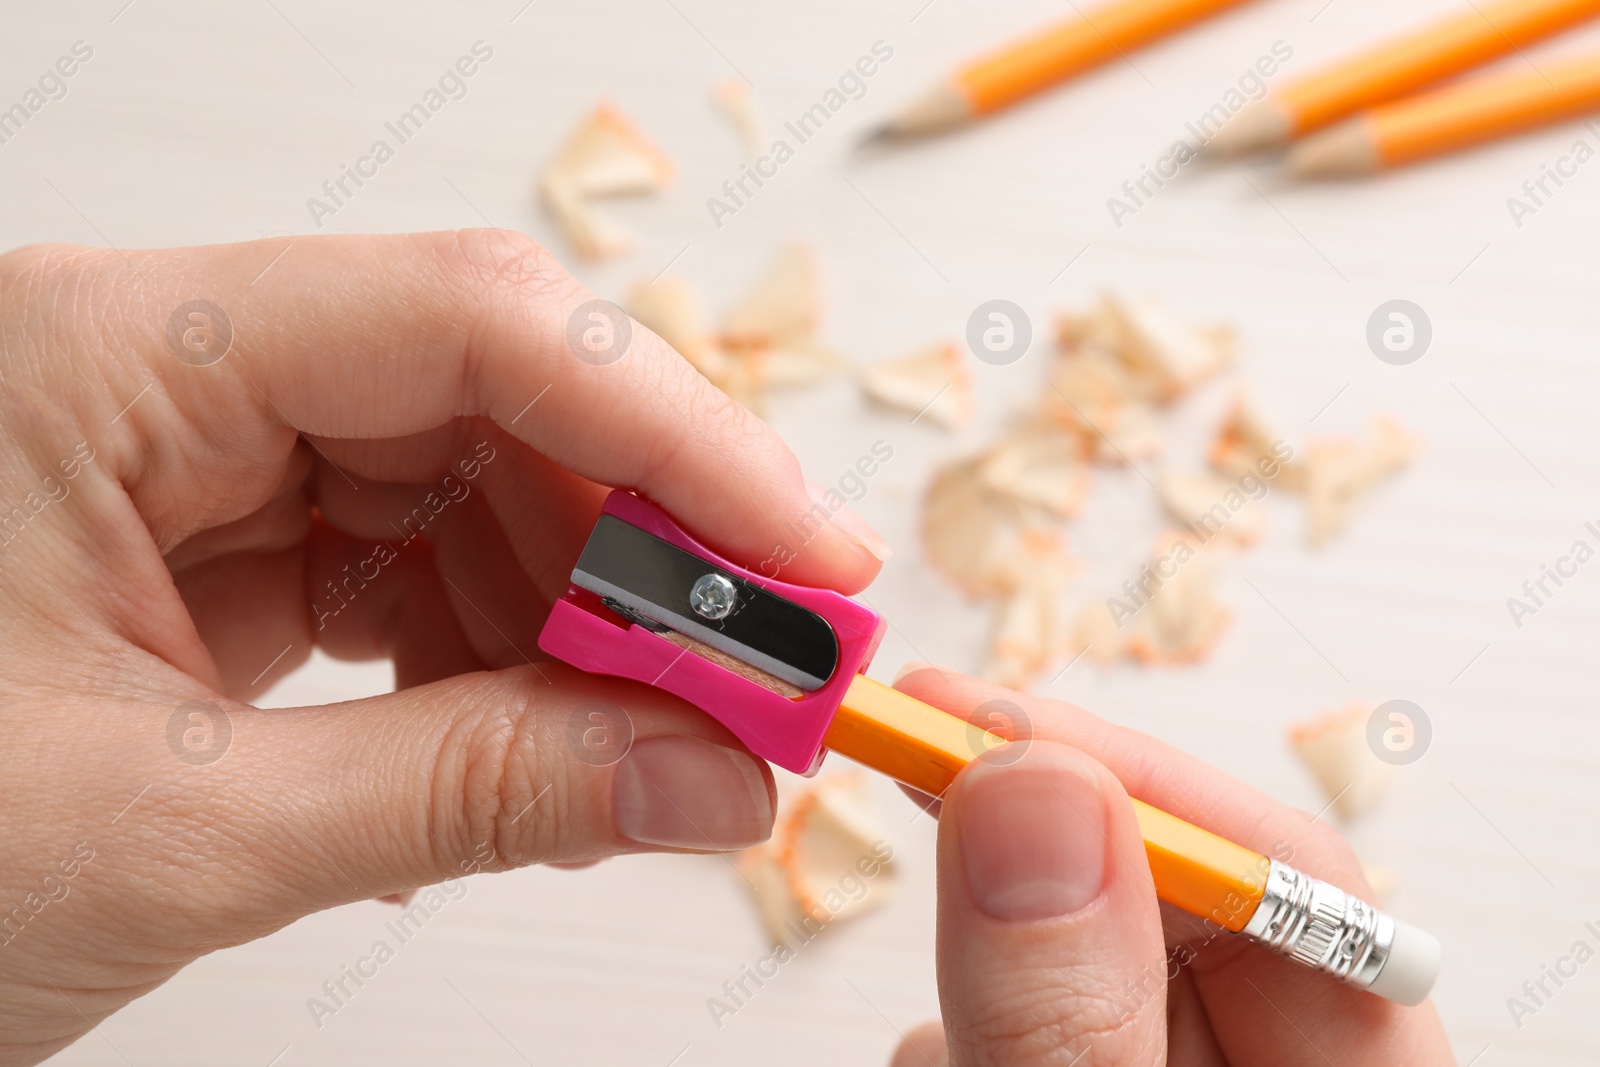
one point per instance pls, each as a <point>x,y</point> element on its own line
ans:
<point>1050,941</point>
<point>324,805</point>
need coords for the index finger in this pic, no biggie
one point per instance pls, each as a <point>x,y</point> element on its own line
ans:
<point>387,335</point>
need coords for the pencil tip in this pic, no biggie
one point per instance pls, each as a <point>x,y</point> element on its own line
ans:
<point>1260,127</point>
<point>1339,152</point>
<point>876,136</point>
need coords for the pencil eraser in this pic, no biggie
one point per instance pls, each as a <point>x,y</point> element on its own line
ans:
<point>1413,965</point>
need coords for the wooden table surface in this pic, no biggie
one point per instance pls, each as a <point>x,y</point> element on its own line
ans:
<point>197,122</point>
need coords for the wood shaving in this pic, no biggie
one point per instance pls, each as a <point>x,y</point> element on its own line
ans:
<point>1339,470</point>
<point>826,861</point>
<point>785,305</point>
<point>1029,630</point>
<point>933,383</point>
<point>1245,444</point>
<point>1167,615</point>
<point>984,519</point>
<point>1182,620</point>
<point>766,342</point>
<point>1168,357</point>
<point>1098,635</point>
<point>1088,392</point>
<point>1091,394</point>
<point>1334,746</point>
<point>1039,464</point>
<point>1212,508</point>
<point>1119,368</point>
<point>1133,438</point>
<point>606,156</point>
<point>1163,358</point>
<point>671,310</point>
<point>733,96</point>
<point>797,362</point>
<point>1334,474</point>
<point>971,531</point>
<point>734,665</point>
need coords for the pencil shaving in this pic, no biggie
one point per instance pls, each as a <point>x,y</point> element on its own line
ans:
<point>1245,443</point>
<point>1162,357</point>
<point>733,96</point>
<point>1334,747</point>
<point>1182,620</point>
<point>1088,389</point>
<point>1029,630</point>
<point>1213,507</point>
<point>971,531</point>
<point>593,234</point>
<point>670,309</point>
<point>826,861</point>
<point>785,305</point>
<point>1169,614</point>
<point>1133,438</point>
<point>767,341</point>
<point>606,156</point>
<point>1119,367</point>
<point>797,362</point>
<point>934,383</point>
<point>1098,635</point>
<point>1341,469</point>
<point>1038,464</point>
<point>1092,395</point>
<point>1169,357</point>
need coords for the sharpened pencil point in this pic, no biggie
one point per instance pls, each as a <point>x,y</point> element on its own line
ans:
<point>877,135</point>
<point>941,109</point>
<point>1260,127</point>
<point>1347,150</point>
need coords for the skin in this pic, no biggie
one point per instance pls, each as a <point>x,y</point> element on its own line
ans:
<point>1056,991</point>
<point>179,561</point>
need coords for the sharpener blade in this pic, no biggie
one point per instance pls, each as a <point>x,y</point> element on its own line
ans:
<point>656,580</point>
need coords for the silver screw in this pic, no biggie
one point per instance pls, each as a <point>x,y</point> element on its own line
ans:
<point>713,596</point>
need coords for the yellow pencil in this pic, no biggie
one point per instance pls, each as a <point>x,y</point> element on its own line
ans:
<point>1311,922</point>
<point>1055,54</point>
<point>1440,50</point>
<point>1450,119</point>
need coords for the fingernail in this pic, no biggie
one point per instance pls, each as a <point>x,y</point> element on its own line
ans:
<point>682,792</point>
<point>911,666</point>
<point>1033,834</point>
<point>848,522</point>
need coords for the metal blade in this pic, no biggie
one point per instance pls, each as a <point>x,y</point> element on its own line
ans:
<point>658,581</point>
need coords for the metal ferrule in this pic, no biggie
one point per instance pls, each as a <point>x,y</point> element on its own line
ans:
<point>1321,926</point>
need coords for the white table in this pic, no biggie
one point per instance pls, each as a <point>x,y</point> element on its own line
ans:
<point>196,122</point>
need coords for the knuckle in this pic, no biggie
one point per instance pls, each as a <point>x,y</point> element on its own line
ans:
<point>493,266</point>
<point>1064,1018</point>
<point>706,417</point>
<point>708,405</point>
<point>501,787</point>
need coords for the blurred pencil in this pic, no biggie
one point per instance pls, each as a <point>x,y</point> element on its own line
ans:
<point>1053,55</point>
<point>1449,119</point>
<point>1422,57</point>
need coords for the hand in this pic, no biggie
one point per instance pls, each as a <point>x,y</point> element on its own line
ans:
<point>380,446</point>
<point>1054,950</point>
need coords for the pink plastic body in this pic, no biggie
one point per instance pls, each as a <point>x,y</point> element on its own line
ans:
<point>582,631</point>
